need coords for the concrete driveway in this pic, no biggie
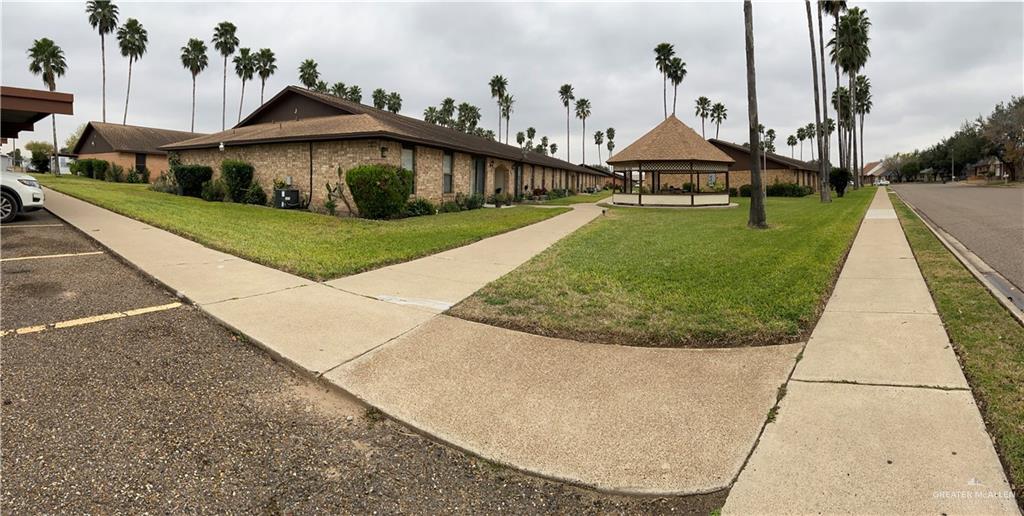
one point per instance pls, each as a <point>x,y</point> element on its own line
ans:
<point>988,220</point>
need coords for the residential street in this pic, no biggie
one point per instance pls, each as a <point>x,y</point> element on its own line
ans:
<point>988,220</point>
<point>169,412</point>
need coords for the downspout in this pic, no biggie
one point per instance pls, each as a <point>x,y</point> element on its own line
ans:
<point>309,201</point>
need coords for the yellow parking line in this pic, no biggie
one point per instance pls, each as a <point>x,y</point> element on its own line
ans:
<point>91,319</point>
<point>49,256</point>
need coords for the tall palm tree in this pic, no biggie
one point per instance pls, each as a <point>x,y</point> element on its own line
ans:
<point>46,59</point>
<point>225,41</point>
<point>598,140</point>
<point>702,110</point>
<point>850,49</point>
<point>553,147</point>
<point>758,218</point>
<point>611,147</point>
<point>308,74</point>
<point>791,141</point>
<point>394,102</point>
<point>610,135</point>
<point>507,103</point>
<point>824,192</point>
<point>193,58</point>
<point>801,135</point>
<point>103,18</point>
<point>582,112</point>
<point>132,38</point>
<point>810,131</point>
<point>266,65</point>
<point>566,94</point>
<point>718,115</point>
<point>498,85</point>
<point>245,67</point>
<point>339,89</point>
<point>355,94</point>
<point>321,86</point>
<point>380,98</point>
<point>676,74</point>
<point>832,8</point>
<point>663,54</point>
<point>864,105</point>
<point>521,139</point>
<point>447,112</point>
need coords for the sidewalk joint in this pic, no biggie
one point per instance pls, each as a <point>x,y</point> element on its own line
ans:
<point>873,384</point>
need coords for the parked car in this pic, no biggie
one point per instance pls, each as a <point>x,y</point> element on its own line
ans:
<point>882,182</point>
<point>19,193</point>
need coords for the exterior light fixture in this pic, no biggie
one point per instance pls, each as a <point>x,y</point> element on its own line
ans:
<point>221,146</point>
<point>383,151</point>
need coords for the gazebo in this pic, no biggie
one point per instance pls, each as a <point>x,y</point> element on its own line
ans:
<point>671,165</point>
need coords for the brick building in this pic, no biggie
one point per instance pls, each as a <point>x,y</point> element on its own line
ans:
<point>129,146</point>
<point>779,169</point>
<point>311,137</point>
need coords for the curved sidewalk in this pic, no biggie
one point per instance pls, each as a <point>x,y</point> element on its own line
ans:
<point>632,420</point>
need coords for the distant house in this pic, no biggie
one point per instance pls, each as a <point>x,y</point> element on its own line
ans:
<point>129,146</point>
<point>871,172</point>
<point>779,169</point>
<point>309,137</point>
<point>990,167</point>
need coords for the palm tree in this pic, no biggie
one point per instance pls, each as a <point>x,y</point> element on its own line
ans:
<point>394,102</point>
<point>758,218</point>
<point>430,115</point>
<point>266,65</point>
<point>702,110</point>
<point>566,94</point>
<point>531,133</point>
<point>245,67</point>
<point>663,54</point>
<point>611,147</point>
<point>380,98</point>
<point>47,60</point>
<point>676,74</point>
<point>718,115</point>
<point>810,131</point>
<point>610,135</point>
<point>498,85</point>
<point>850,49</point>
<point>815,136</point>
<point>193,58</point>
<point>791,141</point>
<point>339,89</point>
<point>447,112</point>
<point>225,41</point>
<point>832,8</point>
<point>598,140</point>
<point>308,74</point>
<point>321,87</point>
<point>507,102</point>
<point>132,39</point>
<point>582,112</point>
<point>864,105</point>
<point>103,18</point>
<point>521,139</point>
<point>553,147</point>
<point>801,134</point>
<point>355,94</point>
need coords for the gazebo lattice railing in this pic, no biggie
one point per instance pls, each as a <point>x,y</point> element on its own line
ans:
<point>671,193</point>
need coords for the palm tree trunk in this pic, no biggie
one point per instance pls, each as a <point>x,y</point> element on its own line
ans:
<point>853,131</point>
<point>718,125</point>
<point>664,92</point>
<point>224,97</point>
<point>827,156</point>
<point>758,218</point>
<point>499,118</point>
<point>862,140</point>
<point>103,61</point>
<point>599,153</point>
<point>506,130</point>
<point>675,94</point>
<point>263,86</point>
<point>567,153</point>
<point>584,146</point>
<point>193,129</point>
<point>241,100</point>
<point>127,93</point>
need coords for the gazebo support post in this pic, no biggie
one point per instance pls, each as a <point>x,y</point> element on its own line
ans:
<point>640,192</point>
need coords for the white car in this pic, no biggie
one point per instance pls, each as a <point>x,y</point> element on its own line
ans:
<point>20,193</point>
<point>882,182</point>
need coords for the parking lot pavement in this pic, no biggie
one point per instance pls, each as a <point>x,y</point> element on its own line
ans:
<point>170,412</point>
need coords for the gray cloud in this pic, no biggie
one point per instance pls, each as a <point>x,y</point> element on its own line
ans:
<point>933,64</point>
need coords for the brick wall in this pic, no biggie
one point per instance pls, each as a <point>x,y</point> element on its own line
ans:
<point>738,178</point>
<point>156,163</point>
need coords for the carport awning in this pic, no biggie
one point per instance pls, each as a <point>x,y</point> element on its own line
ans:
<point>21,108</point>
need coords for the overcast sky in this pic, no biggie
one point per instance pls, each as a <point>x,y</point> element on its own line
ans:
<point>933,65</point>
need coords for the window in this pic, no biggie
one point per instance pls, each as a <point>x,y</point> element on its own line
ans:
<point>140,162</point>
<point>409,162</point>
<point>446,173</point>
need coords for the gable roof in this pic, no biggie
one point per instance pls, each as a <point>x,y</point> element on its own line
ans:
<point>360,121</point>
<point>132,138</point>
<point>771,156</point>
<point>671,140</point>
<point>871,169</point>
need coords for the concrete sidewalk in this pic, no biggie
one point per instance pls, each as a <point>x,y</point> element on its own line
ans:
<point>878,417</point>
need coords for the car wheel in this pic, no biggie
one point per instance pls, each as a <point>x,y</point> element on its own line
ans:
<point>8,207</point>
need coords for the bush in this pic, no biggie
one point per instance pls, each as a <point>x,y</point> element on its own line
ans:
<point>214,191</point>
<point>733,192</point>
<point>237,176</point>
<point>787,190</point>
<point>379,191</point>
<point>474,202</point>
<point>744,190</point>
<point>115,173</point>
<point>839,178</point>
<point>190,178</point>
<point>500,199</point>
<point>557,193</point>
<point>449,207</point>
<point>134,176</point>
<point>164,184</point>
<point>419,207</point>
<point>99,169</point>
<point>255,195</point>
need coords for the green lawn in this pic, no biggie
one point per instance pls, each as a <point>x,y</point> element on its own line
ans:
<point>988,340</point>
<point>579,198</point>
<point>664,277</point>
<point>308,244</point>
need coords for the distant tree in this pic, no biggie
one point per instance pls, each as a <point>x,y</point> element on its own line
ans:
<point>308,74</point>
<point>103,18</point>
<point>266,65</point>
<point>430,115</point>
<point>394,102</point>
<point>521,139</point>
<point>598,140</point>
<point>72,138</point>
<point>811,132</point>
<point>225,41</point>
<point>468,118</point>
<point>42,155</point>
<point>703,111</point>
<point>718,115</point>
<point>245,67</point>
<point>801,135</point>
<point>194,59</point>
<point>380,98</point>
<point>566,95</point>
<point>132,39</point>
<point>46,59</point>
<point>863,107</point>
<point>791,141</point>
<point>321,87</point>
<point>663,54</point>
<point>355,94</point>
<point>553,147</point>
<point>499,85</point>
<point>339,89</point>
<point>447,112</point>
<point>507,103</point>
<point>583,112</point>
<point>1004,131</point>
<point>676,74</point>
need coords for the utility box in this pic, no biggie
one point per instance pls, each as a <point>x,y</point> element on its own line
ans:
<point>286,198</point>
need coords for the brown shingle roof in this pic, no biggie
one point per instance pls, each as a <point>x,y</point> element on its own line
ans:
<point>366,121</point>
<point>133,138</point>
<point>671,140</point>
<point>778,158</point>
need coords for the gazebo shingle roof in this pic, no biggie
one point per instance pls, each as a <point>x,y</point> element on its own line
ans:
<point>671,140</point>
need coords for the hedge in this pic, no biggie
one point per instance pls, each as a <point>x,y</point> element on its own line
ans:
<point>787,190</point>
<point>237,176</point>
<point>379,191</point>
<point>190,178</point>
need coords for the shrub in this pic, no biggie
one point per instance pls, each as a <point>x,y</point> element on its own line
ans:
<point>99,169</point>
<point>165,184</point>
<point>474,202</point>
<point>73,167</point>
<point>133,176</point>
<point>786,190</point>
<point>190,178</point>
<point>500,199</point>
<point>839,178</point>
<point>144,175</point>
<point>733,192</point>
<point>255,195</point>
<point>237,176</point>
<point>449,207</point>
<point>419,207</point>
<point>379,191</point>
<point>744,190</point>
<point>214,190</point>
<point>537,192</point>
<point>115,173</point>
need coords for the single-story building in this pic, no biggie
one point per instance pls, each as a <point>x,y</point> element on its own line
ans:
<point>129,146</point>
<point>990,167</point>
<point>310,137</point>
<point>779,169</point>
<point>876,171</point>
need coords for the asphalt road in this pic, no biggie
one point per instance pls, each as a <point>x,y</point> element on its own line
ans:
<point>988,220</point>
<point>168,412</point>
